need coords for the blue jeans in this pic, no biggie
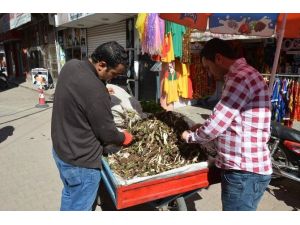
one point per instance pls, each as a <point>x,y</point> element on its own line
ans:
<point>242,191</point>
<point>80,186</point>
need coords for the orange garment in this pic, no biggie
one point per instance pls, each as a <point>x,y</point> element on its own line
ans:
<point>156,58</point>
<point>297,102</point>
<point>167,54</point>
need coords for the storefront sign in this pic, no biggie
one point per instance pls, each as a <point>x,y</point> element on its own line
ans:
<point>290,44</point>
<point>63,18</point>
<point>76,16</point>
<point>256,24</point>
<point>206,36</point>
<point>11,21</point>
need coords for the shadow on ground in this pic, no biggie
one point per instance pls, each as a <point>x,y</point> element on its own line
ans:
<point>10,86</point>
<point>286,190</point>
<point>5,132</point>
<point>204,116</point>
<point>190,202</point>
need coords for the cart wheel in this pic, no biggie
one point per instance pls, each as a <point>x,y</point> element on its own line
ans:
<point>98,201</point>
<point>176,205</point>
<point>181,205</point>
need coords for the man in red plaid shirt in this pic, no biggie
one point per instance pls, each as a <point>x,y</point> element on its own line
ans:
<point>240,125</point>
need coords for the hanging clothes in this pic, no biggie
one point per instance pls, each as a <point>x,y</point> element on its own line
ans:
<point>186,46</point>
<point>140,24</point>
<point>167,54</point>
<point>277,100</point>
<point>291,99</point>
<point>154,37</point>
<point>185,89</point>
<point>177,32</point>
<point>151,30</point>
<point>159,38</point>
<point>203,85</point>
<point>163,95</point>
<point>284,115</point>
<point>285,100</point>
<point>297,102</point>
<point>171,87</point>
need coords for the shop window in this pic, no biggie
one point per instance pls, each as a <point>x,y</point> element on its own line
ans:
<point>73,43</point>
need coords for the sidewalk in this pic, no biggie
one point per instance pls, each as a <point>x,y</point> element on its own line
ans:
<point>29,85</point>
<point>195,113</point>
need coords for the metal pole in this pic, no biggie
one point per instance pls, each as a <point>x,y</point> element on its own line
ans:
<point>277,53</point>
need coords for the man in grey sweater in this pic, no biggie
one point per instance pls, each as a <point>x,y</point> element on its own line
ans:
<point>82,123</point>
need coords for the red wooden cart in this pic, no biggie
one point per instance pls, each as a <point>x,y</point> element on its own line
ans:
<point>160,191</point>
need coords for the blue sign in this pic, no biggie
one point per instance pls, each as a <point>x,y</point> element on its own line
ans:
<point>256,24</point>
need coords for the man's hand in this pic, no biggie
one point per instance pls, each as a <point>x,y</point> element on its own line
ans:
<point>185,135</point>
<point>110,90</point>
<point>195,127</point>
<point>128,138</point>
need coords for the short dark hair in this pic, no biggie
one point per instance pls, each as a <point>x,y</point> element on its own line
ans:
<point>112,53</point>
<point>216,45</point>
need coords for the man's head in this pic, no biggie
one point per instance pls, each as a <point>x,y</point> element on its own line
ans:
<point>217,56</point>
<point>110,60</point>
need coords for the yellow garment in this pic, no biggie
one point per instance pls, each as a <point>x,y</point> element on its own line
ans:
<point>140,24</point>
<point>183,82</point>
<point>167,54</point>
<point>171,87</point>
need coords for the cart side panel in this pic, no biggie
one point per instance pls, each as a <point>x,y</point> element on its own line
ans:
<point>109,180</point>
<point>139,193</point>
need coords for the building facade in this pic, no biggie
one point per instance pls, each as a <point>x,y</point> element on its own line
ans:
<point>29,42</point>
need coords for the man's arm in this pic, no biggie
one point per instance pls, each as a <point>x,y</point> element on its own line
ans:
<point>234,97</point>
<point>102,123</point>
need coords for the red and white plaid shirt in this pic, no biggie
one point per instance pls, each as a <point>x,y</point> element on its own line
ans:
<point>240,122</point>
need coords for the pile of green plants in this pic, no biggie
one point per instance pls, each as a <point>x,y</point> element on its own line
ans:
<point>151,107</point>
<point>157,147</point>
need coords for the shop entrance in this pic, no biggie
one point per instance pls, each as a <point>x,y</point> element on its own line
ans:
<point>13,59</point>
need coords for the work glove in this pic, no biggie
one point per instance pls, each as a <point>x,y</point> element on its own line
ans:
<point>128,138</point>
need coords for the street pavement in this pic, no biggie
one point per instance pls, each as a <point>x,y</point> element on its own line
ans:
<point>29,177</point>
